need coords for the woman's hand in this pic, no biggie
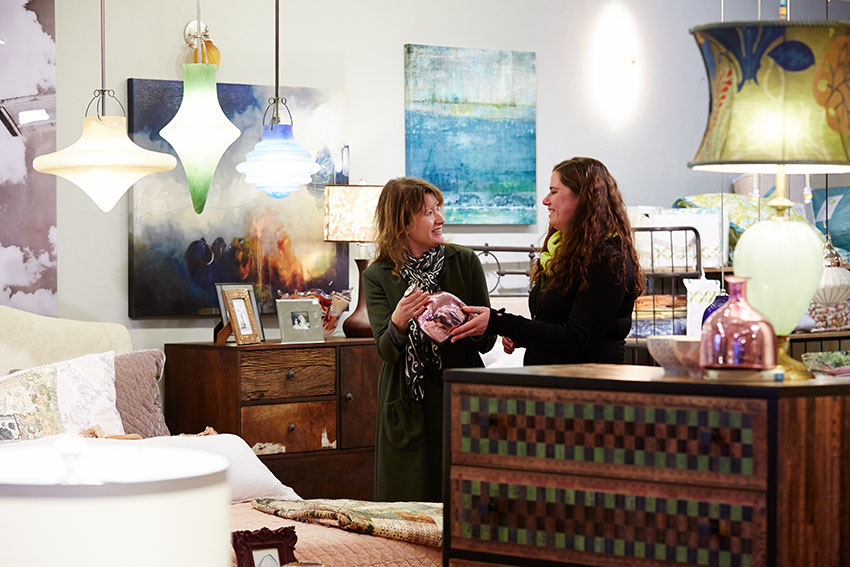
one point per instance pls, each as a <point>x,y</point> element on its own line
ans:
<point>410,306</point>
<point>476,323</point>
<point>508,345</point>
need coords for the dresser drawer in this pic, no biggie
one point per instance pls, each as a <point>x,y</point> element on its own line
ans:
<point>671,438</point>
<point>290,428</point>
<point>597,521</point>
<point>288,373</point>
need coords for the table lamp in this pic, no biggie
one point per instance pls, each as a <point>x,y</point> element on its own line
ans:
<point>99,503</point>
<point>349,215</point>
<point>776,106</point>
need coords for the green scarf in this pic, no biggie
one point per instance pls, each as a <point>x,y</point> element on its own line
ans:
<point>551,245</point>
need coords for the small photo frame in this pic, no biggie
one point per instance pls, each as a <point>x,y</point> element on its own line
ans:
<point>243,319</point>
<point>221,286</point>
<point>300,320</point>
<point>264,547</point>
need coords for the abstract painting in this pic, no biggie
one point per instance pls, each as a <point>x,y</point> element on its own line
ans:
<point>27,129</point>
<point>243,235</point>
<point>470,129</point>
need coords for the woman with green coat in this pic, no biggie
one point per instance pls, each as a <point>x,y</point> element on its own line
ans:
<point>412,262</point>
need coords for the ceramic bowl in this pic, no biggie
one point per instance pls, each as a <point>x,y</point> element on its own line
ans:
<point>686,351</point>
<point>661,349</point>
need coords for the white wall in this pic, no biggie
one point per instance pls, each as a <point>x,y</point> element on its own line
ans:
<point>357,45</point>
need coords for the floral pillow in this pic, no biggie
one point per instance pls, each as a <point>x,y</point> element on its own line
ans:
<point>29,406</point>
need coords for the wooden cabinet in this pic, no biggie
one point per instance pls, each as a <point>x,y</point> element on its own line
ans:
<point>618,465</point>
<point>307,409</point>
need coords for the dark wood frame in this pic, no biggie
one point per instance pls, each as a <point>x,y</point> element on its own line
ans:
<point>246,542</point>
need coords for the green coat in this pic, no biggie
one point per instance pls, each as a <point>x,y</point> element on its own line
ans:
<point>409,440</point>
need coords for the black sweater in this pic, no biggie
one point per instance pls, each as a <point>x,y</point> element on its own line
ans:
<point>577,326</point>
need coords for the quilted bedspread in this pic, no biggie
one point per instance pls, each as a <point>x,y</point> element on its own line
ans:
<point>334,547</point>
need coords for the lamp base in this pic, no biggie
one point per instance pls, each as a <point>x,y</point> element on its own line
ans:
<point>357,324</point>
<point>794,369</point>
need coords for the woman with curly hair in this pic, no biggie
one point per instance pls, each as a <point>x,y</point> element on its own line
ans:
<point>412,262</point>
<point>586,281</point>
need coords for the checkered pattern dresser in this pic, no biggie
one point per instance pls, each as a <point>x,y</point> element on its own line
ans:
<point>618,465</point>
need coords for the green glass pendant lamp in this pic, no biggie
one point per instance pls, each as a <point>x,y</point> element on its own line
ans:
<point>104,162</point>
<point>776,107</point>
<point>200,133</point>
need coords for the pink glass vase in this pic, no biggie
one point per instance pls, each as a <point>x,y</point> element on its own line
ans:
<point>736,336</point>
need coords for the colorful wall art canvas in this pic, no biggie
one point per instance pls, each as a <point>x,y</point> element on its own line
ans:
<point>27,129</point>
<point>243,235</point>
<point>470,129</point>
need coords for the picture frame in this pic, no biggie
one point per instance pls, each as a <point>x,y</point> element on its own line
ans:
<point>300,320</point>
<point>244,321</point>
<point>260,548</point>
<point>225,318</point>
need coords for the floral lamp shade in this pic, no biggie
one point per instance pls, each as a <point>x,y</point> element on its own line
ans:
<point>779,95</point>
<point>200,133</point>
<point>349,212</point>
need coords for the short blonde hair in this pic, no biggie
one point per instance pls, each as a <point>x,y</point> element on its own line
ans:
<point>402,198</point>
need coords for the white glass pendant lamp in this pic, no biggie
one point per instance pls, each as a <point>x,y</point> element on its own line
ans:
<point>104,162</point>
<point>200,133</point>
<point>278,165</point>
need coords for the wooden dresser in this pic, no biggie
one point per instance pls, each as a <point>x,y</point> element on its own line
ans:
<point>308,409</point>
<point>617,465</point>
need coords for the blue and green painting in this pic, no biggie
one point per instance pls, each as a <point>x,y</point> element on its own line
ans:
<point>470,129</point>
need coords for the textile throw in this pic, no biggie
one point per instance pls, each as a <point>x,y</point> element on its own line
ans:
<point>421,353</point>
<point>414,522</point>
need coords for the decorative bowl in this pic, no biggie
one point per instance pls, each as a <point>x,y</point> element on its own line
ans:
<point>686,351</point>
<point>661,348</point>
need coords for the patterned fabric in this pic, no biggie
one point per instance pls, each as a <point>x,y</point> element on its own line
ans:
<point>421,353</point>
<point>833,317</point>
<point>86,391</point>
<point>414,522</point>
<point>29,406</point>
<point>679,439</point>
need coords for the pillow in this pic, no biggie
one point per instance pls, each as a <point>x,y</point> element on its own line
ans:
<point>85,390</point>
<point>29,406</point>
<point>137,396</point>
<point>248,477</point>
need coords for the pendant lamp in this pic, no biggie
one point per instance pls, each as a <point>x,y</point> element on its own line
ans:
<point>104,162</point>
<point>200,133</point>
<point>775,106</point>
<point>278,164</point>
<point>834,285</point>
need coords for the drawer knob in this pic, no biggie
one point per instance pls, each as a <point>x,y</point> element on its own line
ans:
<point>291,427</point>
<point>290,374</point>
<point>349,396</point>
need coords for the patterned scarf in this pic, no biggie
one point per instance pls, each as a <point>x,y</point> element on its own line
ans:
<point>421,353</point>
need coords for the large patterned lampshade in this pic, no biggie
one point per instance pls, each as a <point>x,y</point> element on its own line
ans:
<point>349,214</point>
<point>200,133</point>
<point>778,104</point>
<point>779,97</point>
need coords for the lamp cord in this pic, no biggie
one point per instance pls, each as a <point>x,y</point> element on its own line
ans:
<point>102,60</point>
<point>276,114</point>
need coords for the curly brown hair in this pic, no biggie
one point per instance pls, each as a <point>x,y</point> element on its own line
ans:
<point>400,201</point>
<point>599,228</point>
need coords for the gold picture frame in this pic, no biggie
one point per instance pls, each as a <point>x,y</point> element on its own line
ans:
<point>243,320</point>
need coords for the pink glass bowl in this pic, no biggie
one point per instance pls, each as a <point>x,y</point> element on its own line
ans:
<point>442,314</point>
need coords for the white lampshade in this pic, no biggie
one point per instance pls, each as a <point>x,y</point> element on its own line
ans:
<point>200,133</point>
<point>101,503</point>
<point>834,286</point>
<point>104,162</point>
